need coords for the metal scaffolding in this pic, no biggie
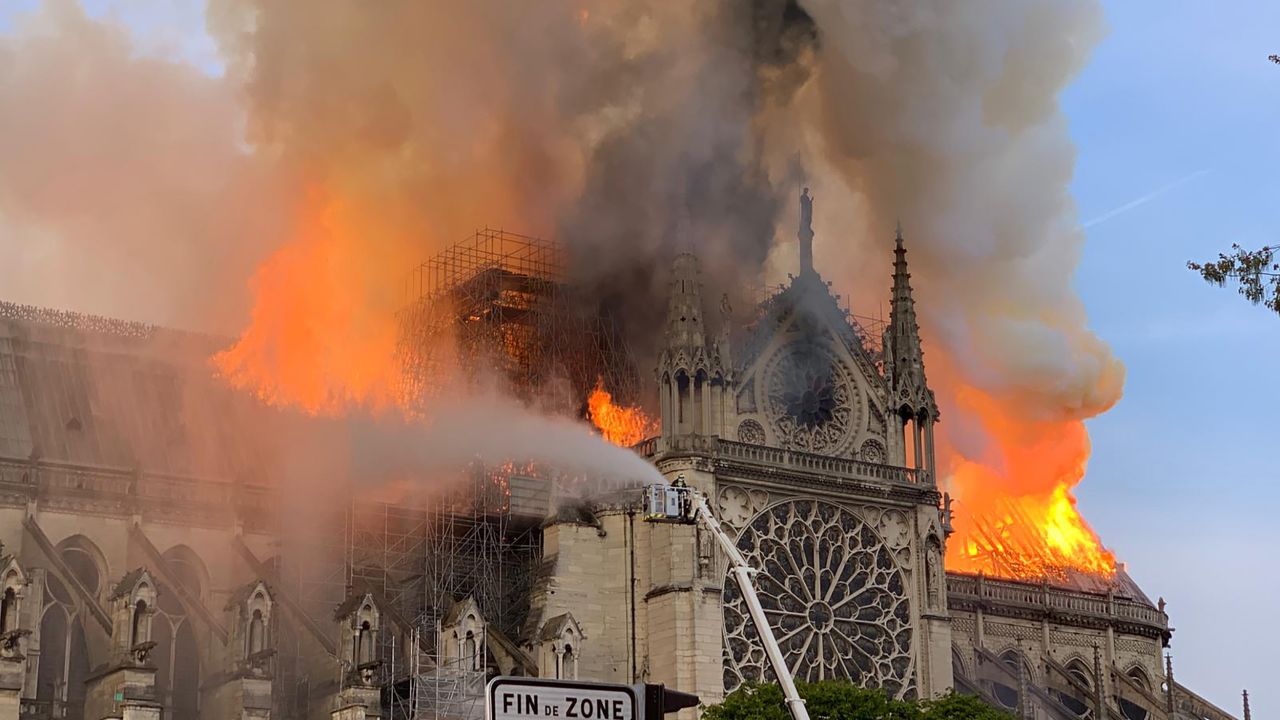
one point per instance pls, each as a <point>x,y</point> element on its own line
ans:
<point>502,302</point>
<point>419,555</point>
<point>420,558</point>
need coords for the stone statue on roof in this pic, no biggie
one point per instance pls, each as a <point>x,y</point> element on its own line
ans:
<point>806,212</point>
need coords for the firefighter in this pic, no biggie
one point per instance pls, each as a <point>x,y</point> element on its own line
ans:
<point>686,496</point>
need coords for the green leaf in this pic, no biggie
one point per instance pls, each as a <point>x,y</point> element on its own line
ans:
<point>1256,273</point>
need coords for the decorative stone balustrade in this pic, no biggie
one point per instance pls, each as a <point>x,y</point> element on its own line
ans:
<point>1020,598</point>
<point>125,490</point>
<point>833,467</point>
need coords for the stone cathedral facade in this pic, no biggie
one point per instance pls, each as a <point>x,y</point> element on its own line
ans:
<point>142,573</point>
<point>822,465</point>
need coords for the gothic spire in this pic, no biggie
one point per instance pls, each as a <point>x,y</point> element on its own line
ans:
<point>692,373</point>
<point>910,388</point>
<point>805,234</point>
<point>1247,715</point>
<point>684,306</point>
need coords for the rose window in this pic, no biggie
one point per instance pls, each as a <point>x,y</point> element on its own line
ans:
<point>809,398</point>
<point>833,594</point>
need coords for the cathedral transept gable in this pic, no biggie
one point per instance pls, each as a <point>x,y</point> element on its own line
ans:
<point>805,380</point>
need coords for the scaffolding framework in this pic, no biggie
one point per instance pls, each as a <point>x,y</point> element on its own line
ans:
<point>502,302</point>
<point>495,305</point>
<point>418,556</point>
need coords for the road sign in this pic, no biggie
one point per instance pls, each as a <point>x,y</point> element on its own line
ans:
<point>519,698</point>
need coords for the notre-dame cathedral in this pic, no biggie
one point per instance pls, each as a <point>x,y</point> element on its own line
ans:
<point>144,574</point>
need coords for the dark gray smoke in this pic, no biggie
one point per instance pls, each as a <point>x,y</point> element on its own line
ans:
<point>625,129</point>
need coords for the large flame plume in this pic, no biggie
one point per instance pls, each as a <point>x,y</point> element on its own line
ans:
<point>1016,514</point>
<point>947,119</point>
<point>317,338</point>
<point>626,130</point>
<point>619,424</point>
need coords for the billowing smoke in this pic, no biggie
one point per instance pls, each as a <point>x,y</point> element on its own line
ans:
<point>125,189</point>
<point>623,129</point>
<point>945,116</point>
<point>384,131</point>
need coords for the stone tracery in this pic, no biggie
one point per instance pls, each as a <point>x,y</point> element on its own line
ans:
<point>834,594</point>
<point>812,401</point>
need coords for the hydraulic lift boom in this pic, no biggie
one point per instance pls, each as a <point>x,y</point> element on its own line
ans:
<point>679,503</point>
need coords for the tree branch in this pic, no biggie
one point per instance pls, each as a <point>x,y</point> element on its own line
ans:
<point>1256,271</point>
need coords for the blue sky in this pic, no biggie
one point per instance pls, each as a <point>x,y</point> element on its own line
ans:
<point>1184,482</point>
<point>166,28</point>
<point>1175,121</point>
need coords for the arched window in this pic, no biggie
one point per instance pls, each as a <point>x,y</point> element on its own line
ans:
<point>187,570</point>
<point>85,561</point>
<point>1016,663</point>
<point>364,644</point>
<point>186,674</point>
<point>698,405</point>
<point>78,668</point>
<point>569,664</point>
<point>1008,694</point>
<point>51,678</point>
<point>9,611</point>
<point>470,652</point>
<point>63,664</point>
<point>1139,677</point>
<point>1079,700</point>
<point>177,652</point>
<point>257,633</point>
<point>1080,673</point>
<point>138,634</point>
<point>683,389</point>
<point>162,658</point>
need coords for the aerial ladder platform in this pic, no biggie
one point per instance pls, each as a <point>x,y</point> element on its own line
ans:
<point>681,504</point>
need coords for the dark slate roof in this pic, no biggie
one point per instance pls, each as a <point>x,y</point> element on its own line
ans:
<point>1120,584</point>
<point>95,391</point>
<point>127,583</point>
<point>458,607</point>
<point>552,628</point>
<point>353,601</point>
<point>243,593</point>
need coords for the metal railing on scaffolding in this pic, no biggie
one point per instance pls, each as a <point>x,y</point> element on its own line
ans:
<point>441,685</point>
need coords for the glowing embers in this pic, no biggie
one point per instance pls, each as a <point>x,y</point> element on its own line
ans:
<point>1012,477</point>
<point>1030,537</point>
<point>620,425</point>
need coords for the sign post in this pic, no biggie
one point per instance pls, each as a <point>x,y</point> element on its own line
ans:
<point>519,698</point>
<point>524,698</point>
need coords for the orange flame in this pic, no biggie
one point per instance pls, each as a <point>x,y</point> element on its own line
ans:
<point>1015,513</point>
<point>620,425</point>
<point>322,334</point>
<point>322,338</point>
